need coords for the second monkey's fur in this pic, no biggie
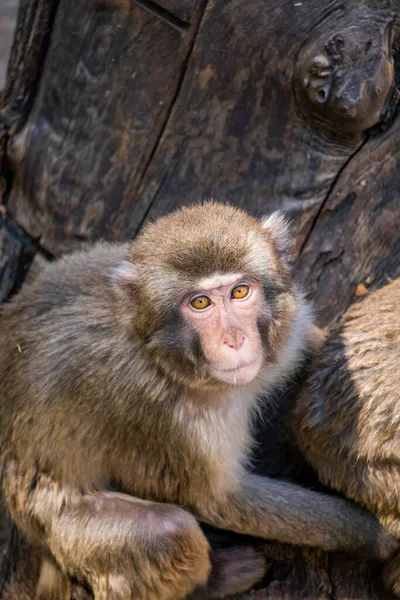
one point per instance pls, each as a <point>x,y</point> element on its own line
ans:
<point>347,421</point>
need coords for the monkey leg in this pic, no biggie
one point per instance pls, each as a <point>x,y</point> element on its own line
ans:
<point>273,509</point>
<point>131,548</point>
<point>127,548</point>
<point>123,547</point>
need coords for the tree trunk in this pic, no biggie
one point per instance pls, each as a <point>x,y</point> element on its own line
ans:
<point>116,111</point>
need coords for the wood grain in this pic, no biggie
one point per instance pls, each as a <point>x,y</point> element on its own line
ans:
<point>155,118</point>
<point>87,148</point>
<point>357,235</point>
<point>183,9</point>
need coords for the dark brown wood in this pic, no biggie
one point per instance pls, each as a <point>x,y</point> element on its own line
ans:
<point>356,238</point>
<point>116,111</point>
<point>93,144</point>
<point>7,25</point>
<point>35,20</point>
<point>243,137</point>
<point>16,255</point>
<point>183,10</point>
<point>227,127</point>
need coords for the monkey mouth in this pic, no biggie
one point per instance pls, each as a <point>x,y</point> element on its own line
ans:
<point>241,374</point>
<point>238,368</point>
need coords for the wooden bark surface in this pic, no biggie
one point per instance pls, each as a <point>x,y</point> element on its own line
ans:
<point>8,10</point>
<point>117,111</point>
<point>155,118</point>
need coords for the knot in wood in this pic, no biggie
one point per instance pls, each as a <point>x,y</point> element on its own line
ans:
<point>345,78</point>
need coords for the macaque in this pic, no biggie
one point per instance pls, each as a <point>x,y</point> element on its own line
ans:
<point>129,375</point>
<point>347,421</point>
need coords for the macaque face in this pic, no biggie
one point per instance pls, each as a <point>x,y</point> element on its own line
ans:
<point>210,292</point>
<point>224,311</point>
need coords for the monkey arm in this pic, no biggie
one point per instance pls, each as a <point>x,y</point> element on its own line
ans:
<point>371,483</point>
<point>286,512</point>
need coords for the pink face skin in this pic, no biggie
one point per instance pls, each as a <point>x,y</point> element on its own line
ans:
<point>227,327</point>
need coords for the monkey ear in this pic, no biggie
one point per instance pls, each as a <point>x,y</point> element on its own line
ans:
<point>123,277</point>
<point>279,232</point>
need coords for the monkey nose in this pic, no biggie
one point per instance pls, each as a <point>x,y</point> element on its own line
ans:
<point>234,342</point>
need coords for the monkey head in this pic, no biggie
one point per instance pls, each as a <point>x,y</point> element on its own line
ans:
<point>210,292</point>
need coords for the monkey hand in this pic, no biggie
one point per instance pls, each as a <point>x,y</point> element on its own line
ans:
<point>234,570</point>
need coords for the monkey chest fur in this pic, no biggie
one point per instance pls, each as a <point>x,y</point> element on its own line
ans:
<point>203,453</point>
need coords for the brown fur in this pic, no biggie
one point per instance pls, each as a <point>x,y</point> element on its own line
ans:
<point>104,386</point>
<point>348,421</point>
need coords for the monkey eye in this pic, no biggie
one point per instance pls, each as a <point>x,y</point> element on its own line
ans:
<point>200,302</point>
<point>240,291</point>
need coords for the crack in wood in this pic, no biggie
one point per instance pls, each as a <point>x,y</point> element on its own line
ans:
<point>163,15</point>
<point>196,23</point>
<point>327,262</point>
<point>329,192</point>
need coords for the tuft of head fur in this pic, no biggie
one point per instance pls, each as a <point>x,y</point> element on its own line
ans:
<point>196,242</point>
<point>279,230</point>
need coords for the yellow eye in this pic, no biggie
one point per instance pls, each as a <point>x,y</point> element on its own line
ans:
<point>240,291</point>
<point>200,302</point>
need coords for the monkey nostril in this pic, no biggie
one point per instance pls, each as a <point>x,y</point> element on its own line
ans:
<point>234,342</point>
<point>229,344</point>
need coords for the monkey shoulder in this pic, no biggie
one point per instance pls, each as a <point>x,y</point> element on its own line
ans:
<point>59,332</point>
<point>68,296</point>
<point>80,275</point>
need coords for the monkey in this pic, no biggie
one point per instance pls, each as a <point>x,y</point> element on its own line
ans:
<point>130,374</point>
<point>347,420</point>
